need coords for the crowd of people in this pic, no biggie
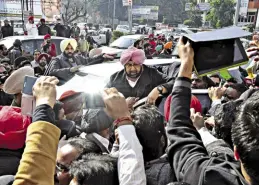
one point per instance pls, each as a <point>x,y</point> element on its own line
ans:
<point>177,137</point>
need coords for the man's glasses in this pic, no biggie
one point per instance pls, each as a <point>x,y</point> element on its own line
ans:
<point>36,54</point>
<point>62,168</point>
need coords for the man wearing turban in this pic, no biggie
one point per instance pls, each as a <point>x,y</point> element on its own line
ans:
<point>68,63</point>
<point>31,27</point>
<point>43,28</point>
<point>48,47</point>
<point>138,80</point>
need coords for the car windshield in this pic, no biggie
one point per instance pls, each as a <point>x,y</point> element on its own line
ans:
<point>123,43</point>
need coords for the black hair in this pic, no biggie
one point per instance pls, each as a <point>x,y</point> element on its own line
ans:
<point>136,44</point>
<point>36,51</point>
<point>95,169</point>
<point>232,80</point>
<point>2,46</point>
<point>240,88</point>
<point>17,43</point>
<point>146,45</point>
<point>215,75</point>
<point>209,83</point>
<point>225,116</point>
<point>150,127</point>
<point>245,137</point>
<point>83,146</point>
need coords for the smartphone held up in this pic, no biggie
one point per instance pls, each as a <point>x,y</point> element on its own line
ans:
<point>28,101</point>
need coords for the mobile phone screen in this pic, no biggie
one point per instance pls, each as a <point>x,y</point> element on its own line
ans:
<point>28,101</point>
<point>29,82</point>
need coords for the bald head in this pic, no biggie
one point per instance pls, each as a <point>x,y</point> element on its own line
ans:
<point>67,154</point>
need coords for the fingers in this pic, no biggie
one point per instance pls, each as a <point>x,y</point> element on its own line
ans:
<point>192,111</point>
<point>181,41</point>
<point>252,49</point>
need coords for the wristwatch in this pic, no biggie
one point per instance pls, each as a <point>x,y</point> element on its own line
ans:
<point>160,89</point>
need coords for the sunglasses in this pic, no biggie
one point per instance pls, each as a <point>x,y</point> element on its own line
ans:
<point>62,168</point>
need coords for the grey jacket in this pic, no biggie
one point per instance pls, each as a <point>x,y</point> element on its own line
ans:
<point>60,66</point>
<point>14,54</point>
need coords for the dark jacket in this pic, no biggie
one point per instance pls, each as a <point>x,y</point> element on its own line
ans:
<point>187,155</point>
<point>60,29</point>
<point>44,30</point>
<point>75,32</point>
<point>60,65</point>
<point>38,71</point>
<point>7,31</point>
<point>159,172</point>
<point>67,32</point>
<point>68,128</point>
<point>9,161</point>
<point>149,79</point>
<point>97,142</point>
<point>5,99</point>
<point>14,54</point>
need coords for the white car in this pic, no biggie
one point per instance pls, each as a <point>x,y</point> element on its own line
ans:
<point>125,29</point>
<point>97,76</point>
<point>122,43</point>
<point>31,43</point>
<point>98,37</point>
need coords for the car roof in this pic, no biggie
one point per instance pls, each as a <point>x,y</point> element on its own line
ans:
<point>109,68</point>
<point>26,37</point>
<point>136,37</point>
<point>98,76</point>
<point>8,41</point>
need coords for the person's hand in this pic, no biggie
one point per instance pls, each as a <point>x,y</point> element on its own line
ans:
<point>5,59</point>
<point>252,51</point>
<point>44,90</point>
<point>186,54</point>
<point>74,69</point>
<point>216,93</point>
<point>197,119</point>
<point>210,122</point>
<point>106,56</point>
<point>152,97</point>
<point>131,101</point>
<point>115,102</point>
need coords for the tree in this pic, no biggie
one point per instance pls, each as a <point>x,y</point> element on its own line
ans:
<point>188,22</point>
<point>72,10</point>
<point>195,19</point>
<point>221,13</point>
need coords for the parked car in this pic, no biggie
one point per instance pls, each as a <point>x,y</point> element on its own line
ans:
<point>98,37</point>
<point>30,43</point>
<point>125,29</point>
<point>181,31</point>
<point>121,44</point>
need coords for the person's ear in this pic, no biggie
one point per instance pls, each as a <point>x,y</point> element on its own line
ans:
<point>236,154</point>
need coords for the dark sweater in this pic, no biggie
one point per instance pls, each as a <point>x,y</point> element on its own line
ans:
<point>149,79</point>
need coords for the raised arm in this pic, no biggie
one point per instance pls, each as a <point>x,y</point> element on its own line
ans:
<point>187,154</point>
<point>38,161</point>
<point>131,169</point>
